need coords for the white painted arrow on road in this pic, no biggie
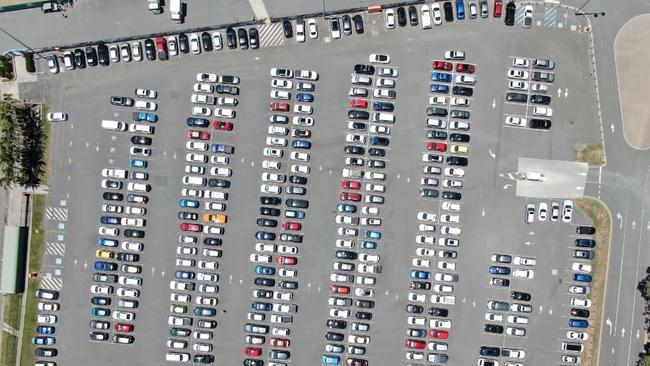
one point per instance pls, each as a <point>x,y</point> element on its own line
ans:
<point>541,308</point>
<point>609,324</point>
<point>492,155</point>
<point>623,332</point>
<point>559,92</point>
<point>633,224</point>
<point>153,270</point>
<point>483,212</point>
<point>566,92</point>
<point>638,333</point>
<point>612,127</point>
<point>620,217</point>
<point>494,103</point>
<point>508,185</point>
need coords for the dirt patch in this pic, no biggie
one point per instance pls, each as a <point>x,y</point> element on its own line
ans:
<point>592,154</point>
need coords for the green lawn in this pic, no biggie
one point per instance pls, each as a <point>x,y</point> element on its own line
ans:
<point>12,310</point>
<point>9,347</point>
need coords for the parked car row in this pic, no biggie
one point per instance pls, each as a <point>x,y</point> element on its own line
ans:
<point>529,81</point>
<point>128,221</point>
<point>159,47</point>
<point>555,213</point>
<point>45,340</point>
<point>281,214</point>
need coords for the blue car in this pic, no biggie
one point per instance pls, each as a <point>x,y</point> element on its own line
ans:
<point>330,360</point>
<point>585,243</point>
<point>580,277</point>
<point>197,122</point>
<point>578,323</point>
<point>104,242</point>
<point>441,76</point>
<point>105,266</point>
<point>371,234</point>
<point>368,244</point>
<point>438,88</point>
<point>460,10</point>
<point>261,306</point>
<point>268,271</point>
<point>137,163</point>
<point>223,149</point>
<point>420,275</point>
<point>498,270</point>
<point>109,220</point>
<point>184,275</point>
<point>43,341</point>
<point>201,311</point>
<point>145,117</point>
<point>342,207</point>
<point>100,312</point>
<point>304,97</point>
<point>301,144</point>
<point>44,329</point>
<point>188,203</point>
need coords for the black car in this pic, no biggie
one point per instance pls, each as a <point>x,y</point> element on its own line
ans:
<point>413,16</point>
<point>347,24</point>
<point>183,43</point>
<point>357,114</point>
<point>436,111</point>
<point>462,90</point>
<point>109,220</point>
<point>264,235</point>
<point>127,257</point>
<point>582,313</point>
<point>449,11</point>
<point>288,285</point>
<point>227,89</point>
<point>493,328</point>
<point>91,56</point>
<point>269,211</point>
<point>212,241</point>
<point>296,179</point>
<point>380,164</point>
<point>122,101</point>
<point>457,160</point>
<point>364,69</point>
<point>254,36</point>
<point>585,243</point>
<point>540,124</point>
<point>197,122</point>
<point>223,183</point>
<point>150,49</point>
<point>362,315</point>
<point>132,233</point>
<point>267,282</point>
<point>102,53</point>
<point>79,59</point>
<point>335,25</point>
<point>500,282</point>
<point>253,362</point>
<point>358,23</point>
<point>188,216</point>
<point>585,230</point>
<point>401,16</point>
<point>426,192</point>
<point>336,324</point>
<point>98,300</point>
<point>414,309</point>
<point>287,28</point>
<point>297,190</point>
<point>511,8</point>
<point>540,99</point>
<point>415,332</point>
<point>459,137</point>
<point>490,351</point>
<point>206,41</point>
<point>459,114</point>
<point>346,254</point>
<point>141,140</point>
<point>420,285</point>
<point>331,336</point>
<point>266,222</point>
<point>292,202</point>
<point>376,152</point>
<point>517,295</point>
<point>436,135</point>
<point>231,38</point>
<point>447,195</point>
<point>266,200</point>
<point>204,359</point>
<point>383,106</point>
<point>364,304</point>
<point>439,312</point>
<point>112,196</point>
<point>517,97</point>
<point>46,352</point>
<point>243,38</point>
<point>136,198</point>
<point>380,141</point>
<point>584,254</point>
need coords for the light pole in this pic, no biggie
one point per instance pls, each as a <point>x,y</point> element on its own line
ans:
<point>21,42</point>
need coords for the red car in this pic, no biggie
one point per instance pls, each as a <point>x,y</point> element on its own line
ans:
<point>161,48</point>
<point>466,68</point>
<point>498,4</point>
<point>345,196</point>
<point>442,65</point>
<point>126,328</point>
<point>336,289</point>
<point>222,125</point>
<point>350,184</point>
<point>198,135</point>
<point>412,343</point>
<point>191,227</point>
<point>282,107</point>
<point>436,146</point>
<point>358,103</point>
<point>288,225</point>
<point>290,261</point>
<point>279,342</point>
<point>440,334</point>
<point>252,351</point>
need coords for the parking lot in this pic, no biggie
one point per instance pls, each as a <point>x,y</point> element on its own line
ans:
<point>81,149</point>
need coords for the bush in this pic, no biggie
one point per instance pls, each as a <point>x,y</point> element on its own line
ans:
<point>29,62</point>
<point>6,67</point>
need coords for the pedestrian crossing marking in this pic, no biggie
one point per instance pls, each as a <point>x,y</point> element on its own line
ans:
<point>271,35</point>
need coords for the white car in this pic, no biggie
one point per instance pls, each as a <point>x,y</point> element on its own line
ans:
<point>426,228</point>
<point>145,106</point>
<point>581,267</point>
<point>451,230</point>
<point>514,319</point>
<point>516,121</point>
<point>567,211</point>
<point>46,319</point>
<point>582,336</point>
<point>303,108</point>
<point>146,93</point>
<point>108,231</point>
<point>260,258</point>
<point>518,85</point>
<point>203,88</point>
<point>576,289</point>
<point>493,317</point>
<point>450,218</point>
<point>123,315</point>
<point>201,111</point>
<point>425,16</point>
<point>370,210</point>
<point>425,252</point>
<point>383,130</point>
<point>388,71</point>
<point>458,101</point>
<point>313,31</point>
<point>517,74</point>
<point>542,214</point>
<point>528,16</point>
<point>132,246</point>
<point>444,277</point>
<point>440,323</point>
<point>514,353</point>
<point>217,41</point>
<point>196,145</point>
<point>519,332</point>
<point>437,15</point>
<point>282,83</point>
<point>530,213</point>
<point>335,28</point>
<point>299,156</point>
<point>585,303</point>
<point>340,313</point>
<point>57,116</point>
<point>523,273</point>
<point>438,100</point>
<point>284,272</point>
<point>543,111</point>
<point>541,88</point>
<point>228,101</point>
<point>524,261</point>
<point>195,44</point>
<point>300,31</point>
<point>416,320</point>
<point>419,262</point>
<point>269,188</point>
<point>454,55</point>
<point>427,216</point>
<point>520,62</point>
<point>224,112</point>
<point>206,77</point>
<point>422,239</point>
<point>449,206</point>
<point>379,58</point>
<point>280,94</point>
<point>390,18</point>
<point>136,51</point>
<point>455,172</point>
<point>368,258</point>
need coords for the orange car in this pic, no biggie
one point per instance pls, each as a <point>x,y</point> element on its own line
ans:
<point>216,218</point>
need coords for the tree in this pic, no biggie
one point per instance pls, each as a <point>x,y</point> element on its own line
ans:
<point>8,142</point>
<point>644,360</point>
<point>6,67</point>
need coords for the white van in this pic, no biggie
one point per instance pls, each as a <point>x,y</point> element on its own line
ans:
<point>177,356</point>
<point>176,11</point>
<point>425,15</point>
<point>135,127</point>
<point>194,180</point>
<point>138,187</point>
<point>383,117</point>
<point>114,125</point>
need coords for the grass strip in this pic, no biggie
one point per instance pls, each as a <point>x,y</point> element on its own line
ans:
<point>9,347</point>
<point>592,154</point>
<point>12,310</point>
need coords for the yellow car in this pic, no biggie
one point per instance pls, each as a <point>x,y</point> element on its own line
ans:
<point>216,218</point>
<point>104,254</point>
<point>459,149</point>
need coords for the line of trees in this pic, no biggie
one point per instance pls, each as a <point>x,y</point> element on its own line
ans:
<point>22,143</point>
<point>644,288</point>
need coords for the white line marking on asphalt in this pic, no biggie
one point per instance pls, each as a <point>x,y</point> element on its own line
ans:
<point>622,332</point>
<point>483,212</point>
<point>174,156</point>
<point>68,177</point>
<point>112,149</point>
<point>566,92</point>
<point>541,308</point>
<point>242,160</point>
<point>69,160</point>
<point>85,264</point>
<point>464,299</point>
<point>559,91</point>
<point>494,103</point>
<point>609,324</point>
<point>241,281</point>
<point>97,148</point>
<point>508,185</point>
<point>620,274</point>
<point>329,172</point>
<point>110,161</point>
<point>318,288</point>
<point>252,163</point>
<point>474,304</point>
<point>320,168</point>
<point>70,142</point>
<point>230,279</point>
<point>408,180</point>
<point>87,144</point>
<point>612,127</point>
<point>162,273</point>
